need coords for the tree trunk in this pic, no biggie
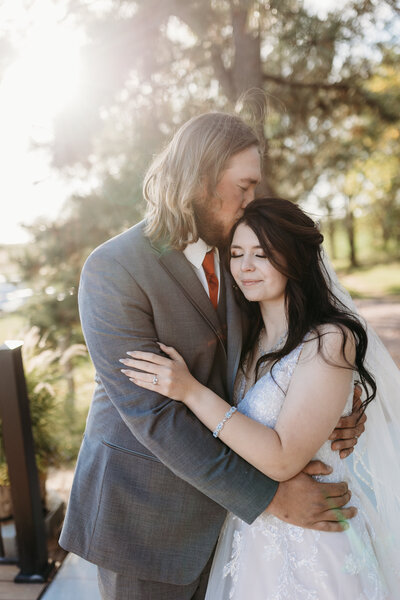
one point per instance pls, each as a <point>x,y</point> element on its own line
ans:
<point>247,80</point>
<point>330,228</point>
<point>332,237</point>
<point>350,228</point>
<point>385,233</point>
<point>242,81</point>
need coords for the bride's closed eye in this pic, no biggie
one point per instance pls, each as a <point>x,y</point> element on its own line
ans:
<point>240,255</point>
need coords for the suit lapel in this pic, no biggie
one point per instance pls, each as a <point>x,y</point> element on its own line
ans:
<point>178,267</point>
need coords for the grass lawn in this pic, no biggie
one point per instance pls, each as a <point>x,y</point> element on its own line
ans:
<point>376,281</point>
<point>378,275</point>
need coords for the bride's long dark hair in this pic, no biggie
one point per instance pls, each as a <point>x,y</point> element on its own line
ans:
<point>292,242</point>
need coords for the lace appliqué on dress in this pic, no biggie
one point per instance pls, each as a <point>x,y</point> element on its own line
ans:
<point>279,561</point>
<point>231,568</point>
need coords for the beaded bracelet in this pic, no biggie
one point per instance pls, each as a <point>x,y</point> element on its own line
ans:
<point>227,416</point>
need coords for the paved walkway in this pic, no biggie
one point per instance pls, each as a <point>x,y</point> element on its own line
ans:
<point>9,590</point>
<point>384,316</point>
<point>76,580</point>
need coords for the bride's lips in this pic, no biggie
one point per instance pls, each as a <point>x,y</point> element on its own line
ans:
<point>249,282</point>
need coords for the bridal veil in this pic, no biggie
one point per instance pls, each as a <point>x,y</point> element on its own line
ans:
<point>375,463</point>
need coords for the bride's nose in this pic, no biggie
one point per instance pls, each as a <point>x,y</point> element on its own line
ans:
<point>247,264</point>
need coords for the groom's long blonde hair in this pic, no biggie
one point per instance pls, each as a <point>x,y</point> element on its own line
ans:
<point>188,169</point>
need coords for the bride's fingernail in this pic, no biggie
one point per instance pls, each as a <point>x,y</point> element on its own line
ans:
<point>123,360</point>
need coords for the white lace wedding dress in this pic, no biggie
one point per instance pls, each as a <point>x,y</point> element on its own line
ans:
<point>273,560</point>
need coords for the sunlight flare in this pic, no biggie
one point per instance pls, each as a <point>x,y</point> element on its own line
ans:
<point>46,73</point>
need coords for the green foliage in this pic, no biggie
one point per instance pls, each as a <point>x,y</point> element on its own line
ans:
<point>51,266</point>
<point>12,326</point>
<point>164,62</point>
<point>45,426</point>
<point>370,247</point>
<point>333,94</point>
<point>54,442</point>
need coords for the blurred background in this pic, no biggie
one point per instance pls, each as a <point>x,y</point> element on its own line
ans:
<point>90,90</point>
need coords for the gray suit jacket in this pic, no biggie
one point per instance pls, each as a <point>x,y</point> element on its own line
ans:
<point>151,483</point>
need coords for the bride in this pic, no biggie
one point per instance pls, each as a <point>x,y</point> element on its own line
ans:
<point>306,347</point>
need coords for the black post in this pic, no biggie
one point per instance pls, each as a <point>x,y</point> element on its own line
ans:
<point>20,454</point>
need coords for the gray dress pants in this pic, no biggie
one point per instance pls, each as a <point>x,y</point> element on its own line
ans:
<point>121,586</point>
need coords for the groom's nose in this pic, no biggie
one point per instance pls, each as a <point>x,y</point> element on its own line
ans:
<point>248,197</point>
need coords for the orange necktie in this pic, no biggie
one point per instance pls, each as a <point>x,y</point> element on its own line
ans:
<point>212,279</point>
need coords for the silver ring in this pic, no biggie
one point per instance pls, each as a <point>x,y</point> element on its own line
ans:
<point>155,380</point>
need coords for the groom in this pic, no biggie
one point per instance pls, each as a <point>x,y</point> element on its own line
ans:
<point>152,485</point>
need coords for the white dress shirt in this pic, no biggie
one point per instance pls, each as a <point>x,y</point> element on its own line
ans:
<point>195,253</point>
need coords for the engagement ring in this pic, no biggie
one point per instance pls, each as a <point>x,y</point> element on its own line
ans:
<point>155,380</point>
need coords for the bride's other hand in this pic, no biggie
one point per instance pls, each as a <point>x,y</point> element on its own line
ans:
<point>167,376</point>
<point>345,436</point>
<point>308,503</point>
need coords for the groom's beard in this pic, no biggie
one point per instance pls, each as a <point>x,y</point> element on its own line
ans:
<point>208,227</point>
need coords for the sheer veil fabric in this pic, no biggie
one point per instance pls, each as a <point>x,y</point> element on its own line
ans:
<point>375,464</point>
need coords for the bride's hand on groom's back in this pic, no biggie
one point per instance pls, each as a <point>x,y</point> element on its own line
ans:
<point>305,502</point>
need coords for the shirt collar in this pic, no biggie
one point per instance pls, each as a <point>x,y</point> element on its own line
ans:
<point>196,251</point>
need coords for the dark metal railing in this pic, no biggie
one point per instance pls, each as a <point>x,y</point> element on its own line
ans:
<point>19,450</point>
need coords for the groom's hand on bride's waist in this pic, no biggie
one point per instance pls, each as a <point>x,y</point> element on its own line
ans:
<point>345,436</point>
<point>308,503</point>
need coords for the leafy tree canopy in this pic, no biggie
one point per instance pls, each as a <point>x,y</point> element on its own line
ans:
<point>332,87</point>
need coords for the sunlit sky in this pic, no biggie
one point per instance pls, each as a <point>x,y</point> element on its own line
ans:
<point>42,79</point>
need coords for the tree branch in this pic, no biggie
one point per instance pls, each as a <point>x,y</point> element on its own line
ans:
<point>306,84</point>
